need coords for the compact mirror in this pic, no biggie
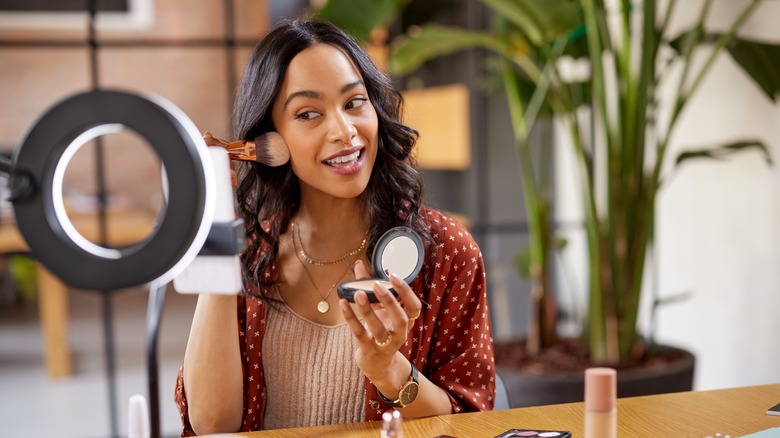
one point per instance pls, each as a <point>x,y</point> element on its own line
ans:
<point>399,251</point>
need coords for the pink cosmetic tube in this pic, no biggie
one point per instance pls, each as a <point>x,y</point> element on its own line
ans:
<point>600,403</point>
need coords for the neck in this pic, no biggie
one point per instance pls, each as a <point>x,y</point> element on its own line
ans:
<point>330,229</point>
<point>327,214</point>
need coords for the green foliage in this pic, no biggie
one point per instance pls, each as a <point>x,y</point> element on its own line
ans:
<point>757,59</point>
<point>23,272</point>
<point>522,260</point>
<point>360,17</point>
<point>428,42</point>
<point>725,151</point>
<point>532,40</point>
<point>540,22</point>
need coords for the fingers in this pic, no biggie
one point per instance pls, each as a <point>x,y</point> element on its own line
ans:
<point>412,305</point>
<point>211,140</point>
<point>360,332</point>
<point>391,321</point>
<point>361,270</point>
<point>384,324</point>
<point>382,318</point>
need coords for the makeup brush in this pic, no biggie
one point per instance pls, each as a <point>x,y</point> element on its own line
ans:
<point>269,148</point>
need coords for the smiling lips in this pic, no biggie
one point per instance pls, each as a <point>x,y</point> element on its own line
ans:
<point>344,158</point>
<point>346,162</point>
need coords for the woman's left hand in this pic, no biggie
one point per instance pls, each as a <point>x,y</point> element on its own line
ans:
<point>384,327</point>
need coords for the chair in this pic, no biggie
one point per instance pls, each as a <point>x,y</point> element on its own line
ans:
<point>502,395</point>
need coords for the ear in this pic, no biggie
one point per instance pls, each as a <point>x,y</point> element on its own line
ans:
<point>271,149</point>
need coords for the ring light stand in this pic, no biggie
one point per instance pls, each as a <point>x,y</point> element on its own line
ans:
<point>184,227</point>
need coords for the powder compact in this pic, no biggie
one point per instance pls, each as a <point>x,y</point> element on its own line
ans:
<point>399,251</point>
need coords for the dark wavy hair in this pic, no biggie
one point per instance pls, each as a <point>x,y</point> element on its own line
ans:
<point>270,196</point>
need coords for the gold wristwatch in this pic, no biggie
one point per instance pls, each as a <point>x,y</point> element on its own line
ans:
<point>408,391</point>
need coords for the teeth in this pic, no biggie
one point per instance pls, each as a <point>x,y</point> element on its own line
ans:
<point>344,159</point>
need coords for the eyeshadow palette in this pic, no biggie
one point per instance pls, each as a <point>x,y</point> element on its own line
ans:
<point>512,433</point>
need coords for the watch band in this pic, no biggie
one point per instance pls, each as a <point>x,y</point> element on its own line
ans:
<point>408,392</point>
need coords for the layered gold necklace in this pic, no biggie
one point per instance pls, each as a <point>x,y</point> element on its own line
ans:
<point>312,261</point>
<point>301,255</point>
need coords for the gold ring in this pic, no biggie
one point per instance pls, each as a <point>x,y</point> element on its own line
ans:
<point>384,343</point>
<point>416,316</point>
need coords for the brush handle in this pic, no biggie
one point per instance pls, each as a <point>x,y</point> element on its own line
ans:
<point>240,150</point>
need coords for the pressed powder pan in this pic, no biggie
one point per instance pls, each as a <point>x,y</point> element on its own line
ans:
<point>399,251</point>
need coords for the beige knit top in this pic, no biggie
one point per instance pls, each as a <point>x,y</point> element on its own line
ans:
<point>310,374</point>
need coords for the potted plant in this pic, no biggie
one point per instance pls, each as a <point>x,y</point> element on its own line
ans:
<point>629,52</point>
<point>622,148</point>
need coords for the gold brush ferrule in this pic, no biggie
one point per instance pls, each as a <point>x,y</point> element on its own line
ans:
<point>242,150</point>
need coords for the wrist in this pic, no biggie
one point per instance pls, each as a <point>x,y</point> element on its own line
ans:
<point>393,377</point>
<point>407,393</point>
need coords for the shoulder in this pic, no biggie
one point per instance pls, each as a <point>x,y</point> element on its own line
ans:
<point>445,230</point>
<point>452,249</point>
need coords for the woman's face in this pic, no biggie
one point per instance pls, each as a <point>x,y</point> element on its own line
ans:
<point>324,114</point>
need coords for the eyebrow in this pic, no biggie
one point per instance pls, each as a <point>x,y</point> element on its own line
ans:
<point>316,95</point>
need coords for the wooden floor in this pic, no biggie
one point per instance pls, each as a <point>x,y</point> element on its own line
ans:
<point>31,404</point>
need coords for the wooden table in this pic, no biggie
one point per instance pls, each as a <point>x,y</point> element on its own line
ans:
<point>124,227</point>
<point>736,411</point>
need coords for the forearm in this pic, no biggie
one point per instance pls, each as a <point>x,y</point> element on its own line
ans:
<point>213,377</point>
<point>431,399</point>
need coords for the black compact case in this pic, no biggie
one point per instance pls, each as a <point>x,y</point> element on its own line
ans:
<point>399,251</point>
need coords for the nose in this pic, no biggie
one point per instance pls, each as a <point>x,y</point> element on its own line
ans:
<point>343,129</point>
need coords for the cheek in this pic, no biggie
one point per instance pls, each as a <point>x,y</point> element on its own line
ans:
<point>300,145</point>
<point>371,127</point>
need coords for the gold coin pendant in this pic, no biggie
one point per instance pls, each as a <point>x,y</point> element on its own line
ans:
<point>323,306</point>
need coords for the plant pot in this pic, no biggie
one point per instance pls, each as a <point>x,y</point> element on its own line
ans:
<point>535,389</point>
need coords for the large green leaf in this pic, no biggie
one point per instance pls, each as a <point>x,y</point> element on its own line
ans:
<point>541,21</point>
<point>725,151</point>
<point>759,60</point>
<point>431,41</point>
<point>360,17</point>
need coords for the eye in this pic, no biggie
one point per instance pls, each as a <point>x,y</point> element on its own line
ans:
<point>356,103</point>
<point>307,115</point>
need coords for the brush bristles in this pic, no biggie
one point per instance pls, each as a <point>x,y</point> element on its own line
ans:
<point>271,149</point>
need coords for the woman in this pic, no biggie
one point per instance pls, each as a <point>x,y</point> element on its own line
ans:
<point>287,352</point>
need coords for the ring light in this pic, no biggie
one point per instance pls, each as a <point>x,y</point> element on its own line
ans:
<point>58,183</point>
<point>40,214</point>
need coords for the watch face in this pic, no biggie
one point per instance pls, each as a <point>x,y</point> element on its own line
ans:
<point>408,393</point>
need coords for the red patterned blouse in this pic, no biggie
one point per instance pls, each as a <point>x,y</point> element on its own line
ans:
<point>451,343</point>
